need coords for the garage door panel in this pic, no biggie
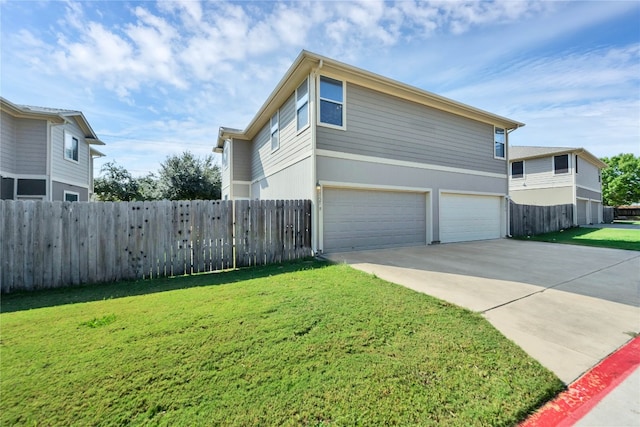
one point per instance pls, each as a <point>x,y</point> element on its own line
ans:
<point>581,207</point>
<point>367,219</point>
<point>466,217</point>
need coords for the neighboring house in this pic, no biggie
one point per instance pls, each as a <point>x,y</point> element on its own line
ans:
<point>385,164</point>
<point>46,153</point>
<point>546,176</point>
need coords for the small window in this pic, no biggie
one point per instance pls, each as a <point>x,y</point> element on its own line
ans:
<point>499,142</point>
<point>275,133</point>
<point>561,164</point>
<point>70,147</point>
<point>517,169</point>
<point>70,196</point>
<point>331,102</point>
<point>302,105</point>
<point>576,163</point>
<point>225,154</point>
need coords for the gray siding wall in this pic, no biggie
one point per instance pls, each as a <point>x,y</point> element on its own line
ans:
<point>357,172</point>
<point>241,160</point>
<point>31,148</point>
<point>294,182</point>
<point>381,125</point>
<point>588,194</point>
<point>65,170</point>
<point>8,143</point>
<point>538,173</point>
<point>294,146</point>
<point>588,174</point>
<point>59,188</point>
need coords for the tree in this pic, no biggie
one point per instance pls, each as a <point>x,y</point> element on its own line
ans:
<point>186,177</point>
<point>116,185</point>
<point>621,180</point>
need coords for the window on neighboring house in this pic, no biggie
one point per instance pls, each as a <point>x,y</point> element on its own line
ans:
<point>561,163</point>
<point>576,163</point>
<point>70,196</point>
<point>517,169</point>
<point>302,105</point>
<point>331,102</point>
<point>70,147</point>
<point>275,133</point>
<point>225,155</point>
<point>499,142</point>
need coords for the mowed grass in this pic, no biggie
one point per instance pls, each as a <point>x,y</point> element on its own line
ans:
<point>616,238</point>
<point>300,344</point>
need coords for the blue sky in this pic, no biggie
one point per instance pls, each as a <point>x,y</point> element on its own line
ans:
<point>158,78</point>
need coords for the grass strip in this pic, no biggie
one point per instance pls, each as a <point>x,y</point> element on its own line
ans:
<point>615,238</point>
<point>301,344</point>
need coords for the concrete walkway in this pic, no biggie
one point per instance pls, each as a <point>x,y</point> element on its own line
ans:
<point>567,306</point>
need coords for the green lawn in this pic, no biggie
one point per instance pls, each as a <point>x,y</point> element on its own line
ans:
<point>299,344</point>
<point>616,238</point>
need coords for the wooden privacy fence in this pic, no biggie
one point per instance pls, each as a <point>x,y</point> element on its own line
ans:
<point>54,244</point>
<point>527,220</point>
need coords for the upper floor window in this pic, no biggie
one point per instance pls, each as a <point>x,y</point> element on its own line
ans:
<point>331,102</point>
<point>499,142</point>
<point>275,132</point>
<point>576,163</point>
<point>70,147</point>
<point>517,169</point>
<point>302,105</point>
<point>561,163</point>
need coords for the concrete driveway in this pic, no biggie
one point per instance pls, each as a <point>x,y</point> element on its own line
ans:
<point>567,306</point>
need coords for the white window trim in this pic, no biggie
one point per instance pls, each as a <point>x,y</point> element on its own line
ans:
<point>74,193</point>
<point>344,103</point>
<point>277,130</point>
<point>64,147</point>
<point>523,169</point>
<point>504,148</point>
<point>553,164</point>
<point>305,127</point>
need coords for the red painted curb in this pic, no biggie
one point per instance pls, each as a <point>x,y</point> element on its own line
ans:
<point>585,393</point>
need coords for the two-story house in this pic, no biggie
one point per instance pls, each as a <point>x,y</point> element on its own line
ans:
<point>45,153</point>
<point>384,163</point>
<point>547,176</point>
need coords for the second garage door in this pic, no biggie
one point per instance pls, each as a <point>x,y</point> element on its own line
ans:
<point>365,219</point>
<point>465,217</point>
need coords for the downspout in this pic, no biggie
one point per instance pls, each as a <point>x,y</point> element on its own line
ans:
<point>508,198</point>
<point>315,191</point>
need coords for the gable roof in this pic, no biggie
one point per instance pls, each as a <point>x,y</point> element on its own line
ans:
<point>307,62</point>
<point>525,152</point>
<point>55,115</point>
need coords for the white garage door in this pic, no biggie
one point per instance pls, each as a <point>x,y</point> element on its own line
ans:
<point>365,219</point>
<point>581,207</point>
<point>466,217</point>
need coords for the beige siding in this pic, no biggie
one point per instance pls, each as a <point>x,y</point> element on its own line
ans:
<point>543,196</point>
<point>241,160</point>
<point>31,148</point>
<point>588,194</point>
<point>58,189</point>
<point>7,143</point>
<point>294,146</point>
<point>293,182</point>
<point>384,126</point>
<point>538,173</point>
<point>588,175</point>
<point>65,170</point>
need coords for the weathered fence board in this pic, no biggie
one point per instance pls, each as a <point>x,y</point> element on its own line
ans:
<point>54,244</point>
<point>528,220</point>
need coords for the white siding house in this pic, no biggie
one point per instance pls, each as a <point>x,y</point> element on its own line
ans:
<point>385,164</point>
<point>547,176</point>
<point>46,153</point>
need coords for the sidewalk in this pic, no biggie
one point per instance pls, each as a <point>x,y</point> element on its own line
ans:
<point>607,395</point>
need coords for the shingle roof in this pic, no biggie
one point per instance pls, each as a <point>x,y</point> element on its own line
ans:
<point>47,109</point>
